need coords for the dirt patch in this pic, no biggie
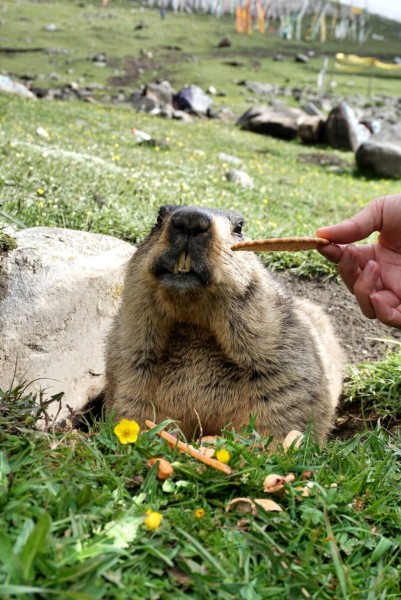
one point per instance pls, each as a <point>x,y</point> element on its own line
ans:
<point>134,68</point>
<point>324,160</point>
<point>356,331</point>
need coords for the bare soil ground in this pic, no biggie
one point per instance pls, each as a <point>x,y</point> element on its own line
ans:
<point>359,335</point>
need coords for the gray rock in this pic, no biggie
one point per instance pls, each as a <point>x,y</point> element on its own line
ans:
<point>312,130</point>
<point>301,58</point>
<point>57,51</point>
<point>192,98</point>
<point>181,115</point>
<point>311,109</point>
<point>263,89</point>
<point>160,93</point>
<point>297,93</point>
<point>100,57</point>
<point>143,103</point>
<point>326,105</point>
<point>239,178</point>
<point>146,53</point>
<point>59,291</point>
<point>233,160</point>
<point>282,123</point>
<point>222,114</point>
<point>14,87</point>
<point>343,129</point>
<point>381,154</point>
<point>166,111</point>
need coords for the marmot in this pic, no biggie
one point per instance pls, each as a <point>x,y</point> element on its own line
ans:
<point>205,334</point>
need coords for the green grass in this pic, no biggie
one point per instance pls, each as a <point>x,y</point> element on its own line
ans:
<point>75,527</point>
<point>91,152</point>
<point>73,505</point>
<point>377,386</point>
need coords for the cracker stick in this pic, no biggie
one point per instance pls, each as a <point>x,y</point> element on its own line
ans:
<point>172,441</point>
<point>285,244</point>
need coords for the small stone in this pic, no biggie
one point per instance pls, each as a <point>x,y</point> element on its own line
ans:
<point>240,178</point>
<point>41,132</point>
<point>224,43</point>
<point>100,57</point>
<point>228,158</point>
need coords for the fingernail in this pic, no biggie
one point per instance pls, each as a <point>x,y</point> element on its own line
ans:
<point>370,267</point>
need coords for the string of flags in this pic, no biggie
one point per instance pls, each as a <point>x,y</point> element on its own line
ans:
<point>351,63</point>
<point>291,19</point>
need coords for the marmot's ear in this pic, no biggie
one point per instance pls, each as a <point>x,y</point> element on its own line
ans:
<point>163,211</point>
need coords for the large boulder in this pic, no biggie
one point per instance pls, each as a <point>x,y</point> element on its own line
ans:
<point>381,154</point>
<point>343,129</point>
<point>312,130</point>
<point>280,122</point>
<point>59,291</point>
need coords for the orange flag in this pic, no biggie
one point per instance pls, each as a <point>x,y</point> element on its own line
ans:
<point>261,17</point>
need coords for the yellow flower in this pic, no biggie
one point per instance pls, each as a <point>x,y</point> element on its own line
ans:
<point>199,513</point>
<point>222,455</point>
<point>40,192</point>
<point>153,520</point>
<point>127,431</point>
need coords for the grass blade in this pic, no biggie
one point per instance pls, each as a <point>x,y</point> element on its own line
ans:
<point>35,543</point>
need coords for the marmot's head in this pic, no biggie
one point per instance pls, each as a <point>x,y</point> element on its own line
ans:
<point>189,252</point>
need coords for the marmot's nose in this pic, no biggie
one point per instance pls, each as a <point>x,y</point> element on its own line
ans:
<point>191,220</point>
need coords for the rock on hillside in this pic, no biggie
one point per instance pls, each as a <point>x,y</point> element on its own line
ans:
<point>280,122</point>
<point>381,154</point>
<point>59,290</point>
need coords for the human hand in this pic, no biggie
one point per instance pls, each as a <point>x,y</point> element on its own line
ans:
<point>372,272</point>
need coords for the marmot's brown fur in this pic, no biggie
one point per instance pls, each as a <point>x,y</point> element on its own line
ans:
<point>205,333</point>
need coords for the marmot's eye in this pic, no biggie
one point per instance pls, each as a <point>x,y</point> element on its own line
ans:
<point>238,227</point>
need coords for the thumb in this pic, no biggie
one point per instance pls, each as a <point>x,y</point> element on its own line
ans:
<point>357,227</point>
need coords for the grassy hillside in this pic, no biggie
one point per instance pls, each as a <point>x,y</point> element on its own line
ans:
<point>91,153</point>
<point>184,50</point>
